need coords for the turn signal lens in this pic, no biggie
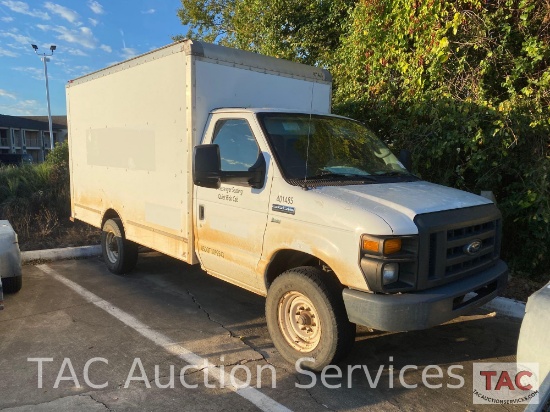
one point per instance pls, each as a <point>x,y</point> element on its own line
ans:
<point>392,246</point>
<point>370,245</point>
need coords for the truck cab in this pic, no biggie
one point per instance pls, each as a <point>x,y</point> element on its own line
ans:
<point>278,190</point>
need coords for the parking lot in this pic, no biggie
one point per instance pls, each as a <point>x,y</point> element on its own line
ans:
<point>107,342</point>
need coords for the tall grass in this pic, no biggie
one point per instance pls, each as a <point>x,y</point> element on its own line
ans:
<point>35,198</point>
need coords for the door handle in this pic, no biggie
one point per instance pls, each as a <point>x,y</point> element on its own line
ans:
<point>201,212</point>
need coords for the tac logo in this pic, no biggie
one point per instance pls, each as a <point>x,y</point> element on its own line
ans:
<point>505,383</point>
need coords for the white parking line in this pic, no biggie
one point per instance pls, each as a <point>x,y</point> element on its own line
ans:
<point>263,402</point>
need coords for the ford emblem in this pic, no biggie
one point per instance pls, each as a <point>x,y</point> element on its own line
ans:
<point>473,247</point>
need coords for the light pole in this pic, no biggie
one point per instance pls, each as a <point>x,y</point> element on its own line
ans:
<point>45,59</point>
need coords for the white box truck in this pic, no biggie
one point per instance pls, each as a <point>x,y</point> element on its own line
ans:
<point>232,160</point>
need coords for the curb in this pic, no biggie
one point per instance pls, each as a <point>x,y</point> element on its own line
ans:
<point>60,254</point>
<point>503,306</point>
<point>507,307</point>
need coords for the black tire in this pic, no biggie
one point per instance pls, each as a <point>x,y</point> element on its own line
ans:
<point>120,255</point>
<point>336,334</point>
<point>12,284</point>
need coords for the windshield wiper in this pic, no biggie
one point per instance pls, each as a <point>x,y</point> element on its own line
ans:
<point>336,176</point>
<point>396,174</point>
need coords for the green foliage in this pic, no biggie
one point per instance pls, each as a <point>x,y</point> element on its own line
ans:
<point>465,85</point>
<point>59,155</point>
<point>302,30</point>
<point>208,20</point>
<point>36,196</point>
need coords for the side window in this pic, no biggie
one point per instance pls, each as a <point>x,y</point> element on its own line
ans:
<point>238,147</point>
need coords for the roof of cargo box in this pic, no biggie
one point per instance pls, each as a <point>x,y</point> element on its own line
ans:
<point>221,54</point>
<point>272,110</point>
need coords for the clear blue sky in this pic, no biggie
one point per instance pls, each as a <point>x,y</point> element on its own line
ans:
<point>89,35</point>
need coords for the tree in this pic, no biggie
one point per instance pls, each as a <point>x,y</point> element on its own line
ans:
<point>301,30</point>
<point>466,86</point>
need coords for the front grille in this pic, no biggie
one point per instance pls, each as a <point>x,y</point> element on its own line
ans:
<point>458,239</point>
<point>456,260</point>
<point>445,237</point>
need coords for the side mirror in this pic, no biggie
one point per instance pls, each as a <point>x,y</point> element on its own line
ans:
<point>206,166</point>
<point>257,170</point>
<point>253,177</point>
<point>405,157</point>
<point>207,170</point>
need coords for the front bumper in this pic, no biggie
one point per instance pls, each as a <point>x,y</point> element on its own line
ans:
<point>431,307</point>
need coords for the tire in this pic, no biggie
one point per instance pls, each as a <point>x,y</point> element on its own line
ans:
<point>120,255</point>
<point>320,330</point>
<point>12,284</point>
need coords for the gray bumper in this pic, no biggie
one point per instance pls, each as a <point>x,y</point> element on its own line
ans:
<point>10,256</point>
<point>422,310</point>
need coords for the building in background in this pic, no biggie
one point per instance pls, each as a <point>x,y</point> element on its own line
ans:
<point>30,134</point>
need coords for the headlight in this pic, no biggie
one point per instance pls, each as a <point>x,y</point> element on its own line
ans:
<point>392,246</point>
<point>390,273</point>
<point>371,244</point>
<point>389,263</point>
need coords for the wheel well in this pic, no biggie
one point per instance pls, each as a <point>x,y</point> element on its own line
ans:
<point>289,259</point>
<point>109,214</point>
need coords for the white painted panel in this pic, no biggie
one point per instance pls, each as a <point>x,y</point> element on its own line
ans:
<point>221,86</point>
<point>161,215</point>
<point>130,151</point>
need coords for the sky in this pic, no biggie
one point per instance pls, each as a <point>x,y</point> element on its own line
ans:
<point>89,35</point>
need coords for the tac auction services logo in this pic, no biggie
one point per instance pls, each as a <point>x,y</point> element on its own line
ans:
<point>506,383</point>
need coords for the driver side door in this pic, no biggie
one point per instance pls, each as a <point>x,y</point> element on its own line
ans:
<point>231,221</point>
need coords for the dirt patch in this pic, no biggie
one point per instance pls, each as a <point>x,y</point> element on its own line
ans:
<point>66,234</point>
<point>520,288</point>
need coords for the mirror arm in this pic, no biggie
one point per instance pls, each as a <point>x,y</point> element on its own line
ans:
<point>405,157</point>
<point>258,170</point>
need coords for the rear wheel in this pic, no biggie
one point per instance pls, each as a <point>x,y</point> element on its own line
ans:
<point>306,318</point>
<point>12,284</point>
<point>120,255</point>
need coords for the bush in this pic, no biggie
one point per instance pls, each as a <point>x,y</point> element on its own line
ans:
<point>465,86</point>
<point>34,198</point>
<point>59,155</point>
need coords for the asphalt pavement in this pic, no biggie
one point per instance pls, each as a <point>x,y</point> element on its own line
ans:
<point>170,337</point>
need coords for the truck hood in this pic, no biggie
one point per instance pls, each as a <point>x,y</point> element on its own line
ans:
<point>407,198</point>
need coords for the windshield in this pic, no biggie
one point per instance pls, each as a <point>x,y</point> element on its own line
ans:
<point>334,148</point>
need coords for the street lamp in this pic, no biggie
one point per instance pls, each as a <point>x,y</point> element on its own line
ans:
<point>45,59</point>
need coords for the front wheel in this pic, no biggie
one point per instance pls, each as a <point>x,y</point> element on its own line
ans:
<point>306,318</point>
<point>120,255</point>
